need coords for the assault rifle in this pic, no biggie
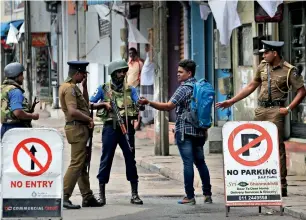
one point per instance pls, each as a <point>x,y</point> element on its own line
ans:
<point>117,115</point>
<point>89,143</point>
<point>34,104</point>
<point>28,121</point>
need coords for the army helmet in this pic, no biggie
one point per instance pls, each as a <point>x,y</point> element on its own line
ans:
<point>117,65</point>
<point>13,69</point>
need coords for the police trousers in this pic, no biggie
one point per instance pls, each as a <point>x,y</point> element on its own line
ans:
<point>110,139</point>
<point>77,136</point>
<point>273,115</point>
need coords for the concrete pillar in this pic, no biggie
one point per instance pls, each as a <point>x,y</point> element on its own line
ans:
<point>161,118</point>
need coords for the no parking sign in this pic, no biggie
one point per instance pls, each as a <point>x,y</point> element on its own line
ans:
<point>251,164</point>
<point>32,173</point>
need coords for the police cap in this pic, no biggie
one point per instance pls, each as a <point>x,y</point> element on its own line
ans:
<point>271,46</point>
<point>76,66</point>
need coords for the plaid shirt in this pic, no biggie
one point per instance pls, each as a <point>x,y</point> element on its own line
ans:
<point>181,98</point>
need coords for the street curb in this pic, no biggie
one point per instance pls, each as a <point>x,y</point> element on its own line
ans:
<point>294,213</point>
<point>166,172</point>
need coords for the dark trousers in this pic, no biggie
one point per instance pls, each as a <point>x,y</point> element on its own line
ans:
<point>6,127</point>
<point>110,138</point>
<point>191,151</point>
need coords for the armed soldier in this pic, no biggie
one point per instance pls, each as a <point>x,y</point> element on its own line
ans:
<point>75,106</point>
<point>15,109</point>
<point>276,78</point>
<point>125,98</point>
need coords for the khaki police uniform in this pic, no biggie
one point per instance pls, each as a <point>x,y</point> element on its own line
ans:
<point>283,78</point>
<point>77,134</point>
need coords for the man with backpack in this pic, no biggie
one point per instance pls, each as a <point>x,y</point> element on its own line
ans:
<point>191,126</point>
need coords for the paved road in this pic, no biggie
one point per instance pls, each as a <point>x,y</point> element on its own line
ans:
<point>160,197</point>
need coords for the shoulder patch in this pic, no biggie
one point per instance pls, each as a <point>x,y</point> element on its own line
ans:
<point>72,91</point>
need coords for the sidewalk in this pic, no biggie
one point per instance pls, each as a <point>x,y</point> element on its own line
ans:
<point>171,166</point>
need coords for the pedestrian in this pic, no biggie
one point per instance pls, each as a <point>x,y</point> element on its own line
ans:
<point>126,100</point>
<point>134,75</point>
<point>147,87</point>
<point>191,146</point>
<point>75,106</point>
<point>15,109</point>
<point>276,78</point>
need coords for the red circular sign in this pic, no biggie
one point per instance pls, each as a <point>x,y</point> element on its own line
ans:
<point>264,136</point>
<point>22,145</point>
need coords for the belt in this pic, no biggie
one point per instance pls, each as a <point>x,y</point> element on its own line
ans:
<point>267,104</point>
<point>75,122</point>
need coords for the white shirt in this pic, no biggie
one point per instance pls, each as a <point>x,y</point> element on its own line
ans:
<point>147,73</point>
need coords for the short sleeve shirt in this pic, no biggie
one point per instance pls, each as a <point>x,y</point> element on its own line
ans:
<point>282,76</point>
<point>70,94</point>
<point>181,98</point>
<point>15,98</point>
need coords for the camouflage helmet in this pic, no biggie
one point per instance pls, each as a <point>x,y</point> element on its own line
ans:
<point>117,65</point>
<point>13,69</point>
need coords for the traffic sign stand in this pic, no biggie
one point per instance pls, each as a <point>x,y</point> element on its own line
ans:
<point>251,165</point>
<point>227,210</point>
<point>32,174</point>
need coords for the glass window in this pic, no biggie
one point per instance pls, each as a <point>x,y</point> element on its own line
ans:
<point>297,56</point>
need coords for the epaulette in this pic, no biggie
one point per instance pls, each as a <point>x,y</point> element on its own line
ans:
<point>286,64</point>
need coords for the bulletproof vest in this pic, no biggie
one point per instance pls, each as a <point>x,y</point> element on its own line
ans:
<point>7,115</point>
<point>132,111</point>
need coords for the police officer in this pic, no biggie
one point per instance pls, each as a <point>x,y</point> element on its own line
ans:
<point>276,79</point>
<point>78,121</point>
<point>15,109</point>
<point>125,97</point>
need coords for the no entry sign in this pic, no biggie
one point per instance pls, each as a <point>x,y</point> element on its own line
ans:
<point>31,178</point>
<point>251,164</point>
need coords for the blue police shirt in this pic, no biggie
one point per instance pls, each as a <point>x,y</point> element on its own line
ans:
<point>99,95</point>
<point>15,97</point>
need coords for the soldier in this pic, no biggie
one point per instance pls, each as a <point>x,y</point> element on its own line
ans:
<point>75,106</point>
<point>15,109</point>
<point>125,97</point>
<point>276,78</point>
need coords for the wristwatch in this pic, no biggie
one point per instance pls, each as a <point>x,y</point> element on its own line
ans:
<point>288,108</point>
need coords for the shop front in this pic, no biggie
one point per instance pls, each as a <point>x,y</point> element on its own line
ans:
<point>293,31</point>
<point>41,68</point>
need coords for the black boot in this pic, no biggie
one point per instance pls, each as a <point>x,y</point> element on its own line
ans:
<point>102,193</point>
<point>284,192</point>
<point>135,197</point>
<point>92,202</point>
<point>68,205</point>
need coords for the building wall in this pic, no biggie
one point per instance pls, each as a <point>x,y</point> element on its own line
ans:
<point>243,110</point>
<point>40,18</point>
<point>8,13</point>
<point>197,38</point>
<point>97,49</point>
<point>145,22</point>
<point>117,24</point>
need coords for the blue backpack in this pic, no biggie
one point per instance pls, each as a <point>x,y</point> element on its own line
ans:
<point>201,103</point>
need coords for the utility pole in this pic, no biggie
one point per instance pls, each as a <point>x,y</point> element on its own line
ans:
<point>28,49</point>
<point>161,118</point>
<point>77,29</point>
